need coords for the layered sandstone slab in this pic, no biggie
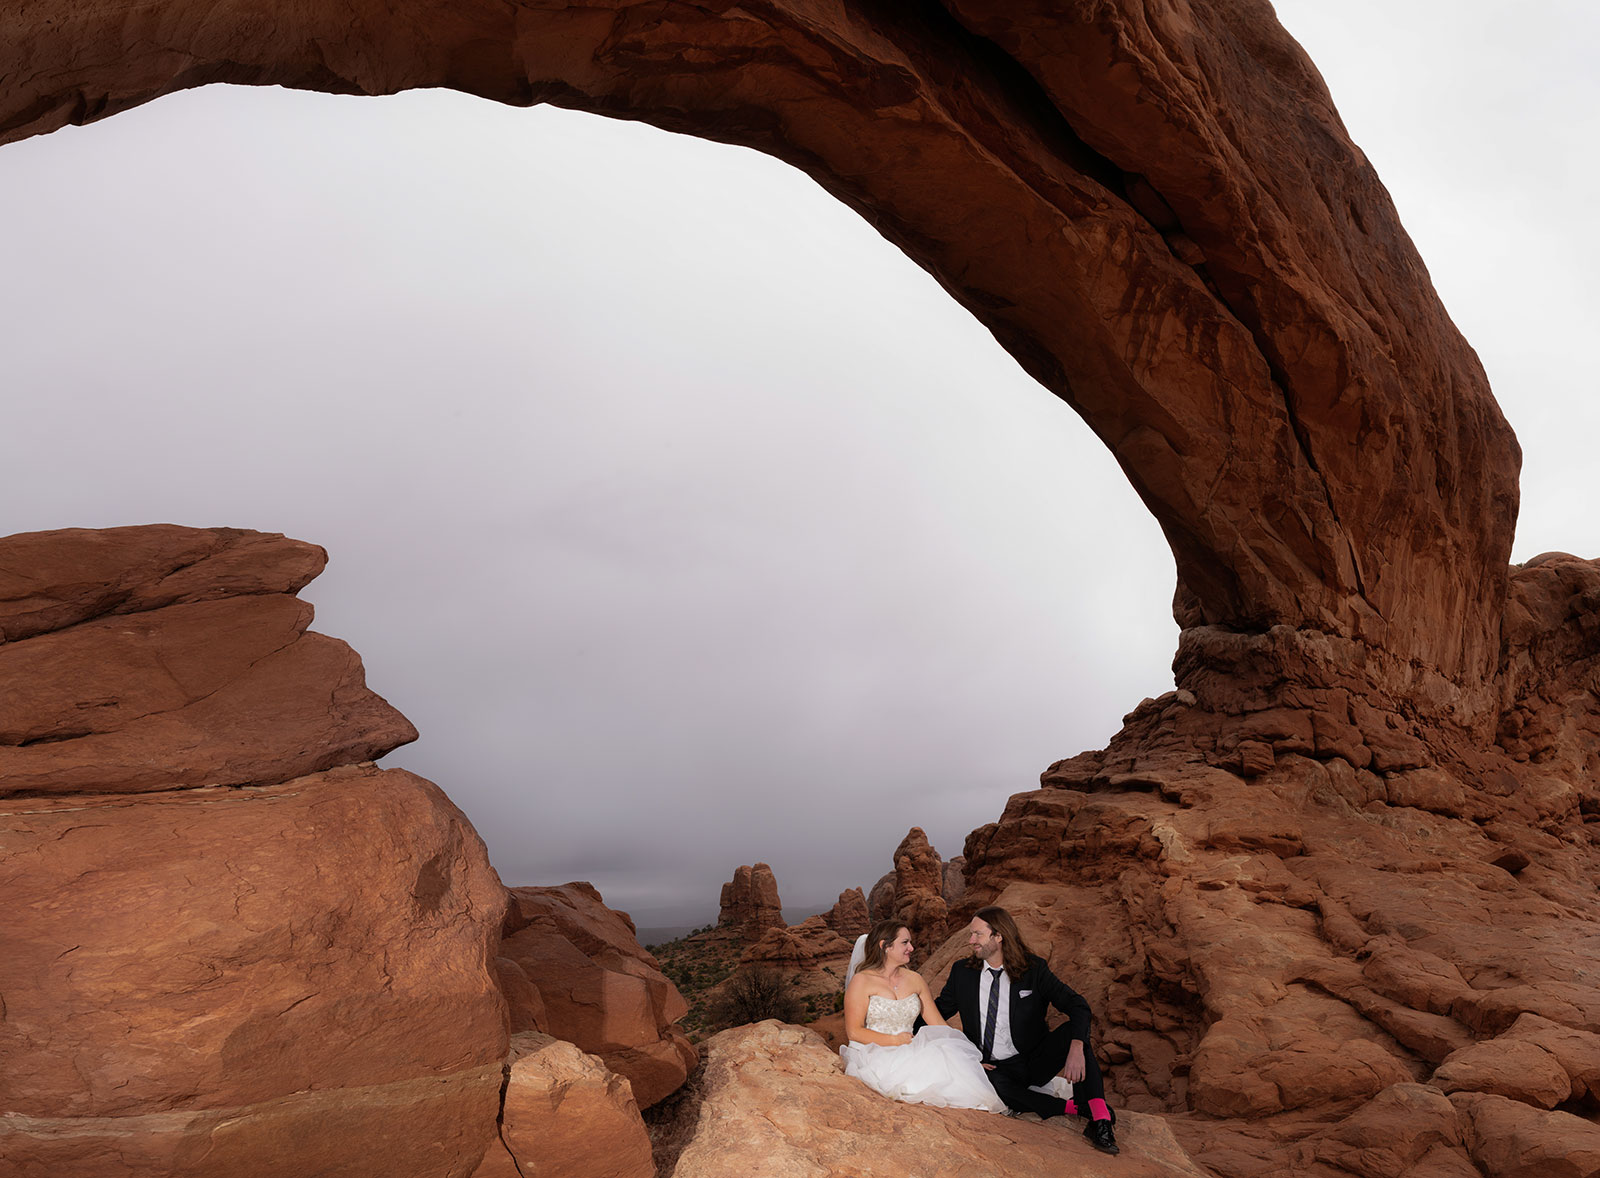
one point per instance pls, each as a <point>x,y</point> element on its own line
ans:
<point>1270,954</point>
<point>1153,205</point>
<point>248,981</point>
<point>187,664</point>
<point>52,580</point>
<point>596,987</point>
<point>776,1098</point>
<point>804,946</point>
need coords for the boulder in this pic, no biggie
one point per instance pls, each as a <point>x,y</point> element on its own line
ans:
<point>565,1116</point>
<point>249,981</point>
<point>1517,1068</point>
<point>596,986</point>
<point>1578,1051</point>
<point>1389,1135</point>
<point>777,1093</point>
<point>1509,1139</point>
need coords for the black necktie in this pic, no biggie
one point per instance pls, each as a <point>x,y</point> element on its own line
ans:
<point>994,1011</point>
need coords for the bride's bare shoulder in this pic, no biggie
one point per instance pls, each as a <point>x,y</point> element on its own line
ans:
<point>866,982</point>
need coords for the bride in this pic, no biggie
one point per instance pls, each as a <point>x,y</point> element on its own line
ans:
<point>882,1000</point>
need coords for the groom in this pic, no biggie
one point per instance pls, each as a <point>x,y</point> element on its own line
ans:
<point>1002,993</point>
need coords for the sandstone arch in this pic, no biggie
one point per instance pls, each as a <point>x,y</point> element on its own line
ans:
<point>1152,204</point>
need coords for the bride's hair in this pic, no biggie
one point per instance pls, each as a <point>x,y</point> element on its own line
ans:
<point>882,935</point>
<point>1014,950</point>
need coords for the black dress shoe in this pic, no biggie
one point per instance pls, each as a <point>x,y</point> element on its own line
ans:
<point>1101,1137</point>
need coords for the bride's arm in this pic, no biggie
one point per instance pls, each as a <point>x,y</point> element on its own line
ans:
<point>930,1011</point>
<point>855,1018</point>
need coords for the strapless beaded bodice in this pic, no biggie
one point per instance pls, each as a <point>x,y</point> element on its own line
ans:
<point>892,1016</point>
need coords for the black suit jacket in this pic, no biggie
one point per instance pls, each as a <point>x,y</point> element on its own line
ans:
<point>1031,996</point>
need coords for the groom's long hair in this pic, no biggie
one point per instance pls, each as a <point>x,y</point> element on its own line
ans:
<point>1014,951</point>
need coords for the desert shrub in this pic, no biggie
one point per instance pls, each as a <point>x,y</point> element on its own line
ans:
<point>758,993</point>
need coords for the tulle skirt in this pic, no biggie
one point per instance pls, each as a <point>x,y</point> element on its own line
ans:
<point>940,1066</point>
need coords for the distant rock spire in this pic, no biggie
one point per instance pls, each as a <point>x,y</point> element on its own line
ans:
<point>750,903</point>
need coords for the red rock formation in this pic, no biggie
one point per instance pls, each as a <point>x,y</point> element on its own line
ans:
<point>880,900</point>
<point>848,916</point>
<point>247,982</point>
<point>779,1094</point>
<point>199,645</point>
<point>1153,206</point>
<point>1550,669</point>
<point>1355,842</point>
<point>220,980</point>
<point>750,903</point>
<point>1317,937</point>
<point>595,987</point>
<point>52,580</point>
<point>954,881</point>
<point>806,945</point>
<point>566,1115</point>
<point>918,891</point>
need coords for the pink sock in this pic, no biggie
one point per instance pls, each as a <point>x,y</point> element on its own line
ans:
<point>1071,1110</point>
<point>1099,1111</point>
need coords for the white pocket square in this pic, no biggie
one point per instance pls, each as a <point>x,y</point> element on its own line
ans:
<point>1023,993</point>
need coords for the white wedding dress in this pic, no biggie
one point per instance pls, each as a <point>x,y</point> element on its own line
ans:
<point>940,1066</point>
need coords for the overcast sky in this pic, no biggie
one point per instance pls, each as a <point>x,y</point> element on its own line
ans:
<point>690,522</point>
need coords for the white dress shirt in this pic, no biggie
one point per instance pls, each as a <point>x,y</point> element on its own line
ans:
<point>1004,1048</point>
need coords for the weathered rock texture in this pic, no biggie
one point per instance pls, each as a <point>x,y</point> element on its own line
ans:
<point>565,1116</point>
<point>594,986</point>
<point>195,641</point>
<point>803,946</point>
<point>1277,955</point>
<point>1337,869</point>
<point>269,973</point>
<point>750,904</point>
<point>774,1099</point>
<point>247,981</point>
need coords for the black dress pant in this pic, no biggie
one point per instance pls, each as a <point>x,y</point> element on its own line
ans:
<point>1011,1077</point>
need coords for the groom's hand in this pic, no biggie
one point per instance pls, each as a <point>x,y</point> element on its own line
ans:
<point>1073,1072</point>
